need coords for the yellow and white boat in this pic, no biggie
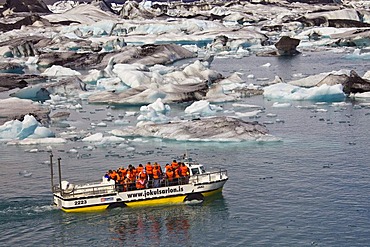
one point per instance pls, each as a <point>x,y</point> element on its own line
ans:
<point>106,194</point>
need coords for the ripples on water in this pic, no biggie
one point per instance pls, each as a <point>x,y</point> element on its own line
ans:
<point>310,189</point>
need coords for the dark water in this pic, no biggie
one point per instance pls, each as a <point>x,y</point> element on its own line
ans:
<point>310,189</point>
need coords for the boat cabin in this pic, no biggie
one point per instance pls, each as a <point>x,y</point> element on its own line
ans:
<point>194,167</point>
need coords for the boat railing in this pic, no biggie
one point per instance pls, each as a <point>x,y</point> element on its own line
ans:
<point>86,190</point>
<point>209,177</point>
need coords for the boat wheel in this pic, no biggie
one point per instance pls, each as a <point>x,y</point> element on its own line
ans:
<point>194,197</point>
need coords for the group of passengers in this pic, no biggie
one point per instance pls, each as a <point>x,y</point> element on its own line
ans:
<point>150,176</point>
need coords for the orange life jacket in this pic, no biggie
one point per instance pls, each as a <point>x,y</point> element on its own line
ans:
<point>123,171</point>
<point>142,175</point>
<point>175,165</point>
<point>167,167</point>
<point>113,175</point>
<point>177,173</point>
<point>139,169</point>
<point>140,184</point>
<point>118,177</point>
<point>184,171</point>
<point>130,175</point>
<point>169,175</point>
<point>149,169</point>
<point>156,172</point>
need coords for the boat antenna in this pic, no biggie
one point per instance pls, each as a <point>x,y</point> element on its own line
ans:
<point>51,173</point>
<point>60,177</point>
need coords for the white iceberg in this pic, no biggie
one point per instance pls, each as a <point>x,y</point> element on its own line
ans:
<point>281,105</point>
<point>202,108</point>
<point>57,70</point>
<point>283,91</point>
<point>157,106</point>
<point>28,128</point>
<point>97,137</point>
<point>155,112</point>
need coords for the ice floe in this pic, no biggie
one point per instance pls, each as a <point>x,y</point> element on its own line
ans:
<point>283,91</point>
<point>28,128</point>
<point>217,129</point>
<point>202,108</point>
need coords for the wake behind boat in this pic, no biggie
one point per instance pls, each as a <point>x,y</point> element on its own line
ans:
<point>194,186</point>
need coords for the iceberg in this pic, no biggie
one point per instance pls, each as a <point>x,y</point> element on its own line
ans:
<point>212,129</point>
<point>314,80</point>
<point>202,108</point>
<point>28,128</point>
<point>145,87</point>
<point>365,95</point>
<point>284,91</point>
<point>155,112</point>
<point>44,141</point>
<point>157,106</point>
<point>281,105</point>
<point>57,71</point>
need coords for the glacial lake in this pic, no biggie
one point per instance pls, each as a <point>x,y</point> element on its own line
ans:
<point>309,189</point>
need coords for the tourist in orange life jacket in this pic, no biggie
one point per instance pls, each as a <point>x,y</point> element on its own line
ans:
<point>118,180</point>
<point>141,180</point>
<point>131,178</point>
<point>168,166</point>
<point>149,171</point>
<point>176,175</point>
<point>126,184</point>
<point>139,169</point>
<point>157,174</point>
<point>184,173</point>
<point>174,165</point>
<point>113,175</point>
<point>123,171</point>
<point>169,176</point>
<point>134,171</point>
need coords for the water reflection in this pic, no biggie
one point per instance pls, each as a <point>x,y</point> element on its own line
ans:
<point>176,224</point>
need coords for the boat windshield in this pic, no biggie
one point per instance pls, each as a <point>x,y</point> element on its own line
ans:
<point>198,170</point>
<point>202,169</point>
<point>194,171</point>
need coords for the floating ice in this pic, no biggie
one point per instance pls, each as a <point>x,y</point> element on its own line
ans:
<point>28,128</point>
<point>280,105</point>
<point>202,108</point>
<point>101,124</point>
<point>42,132</point>
<point>154,112</point>
<point>313,80</point>
<point>248,114</point>
<point>289,92</point>
<point>219,129</point>
<point>29,141</point>
<point>365,95</point>
<point>157,106</point>
<point>25,173</point>
<point>100,140</point>
<point>97,137</point>
<point>57,70</point>
<point>110,84</point>
<point>152,116</point>
<point>246,105</point>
